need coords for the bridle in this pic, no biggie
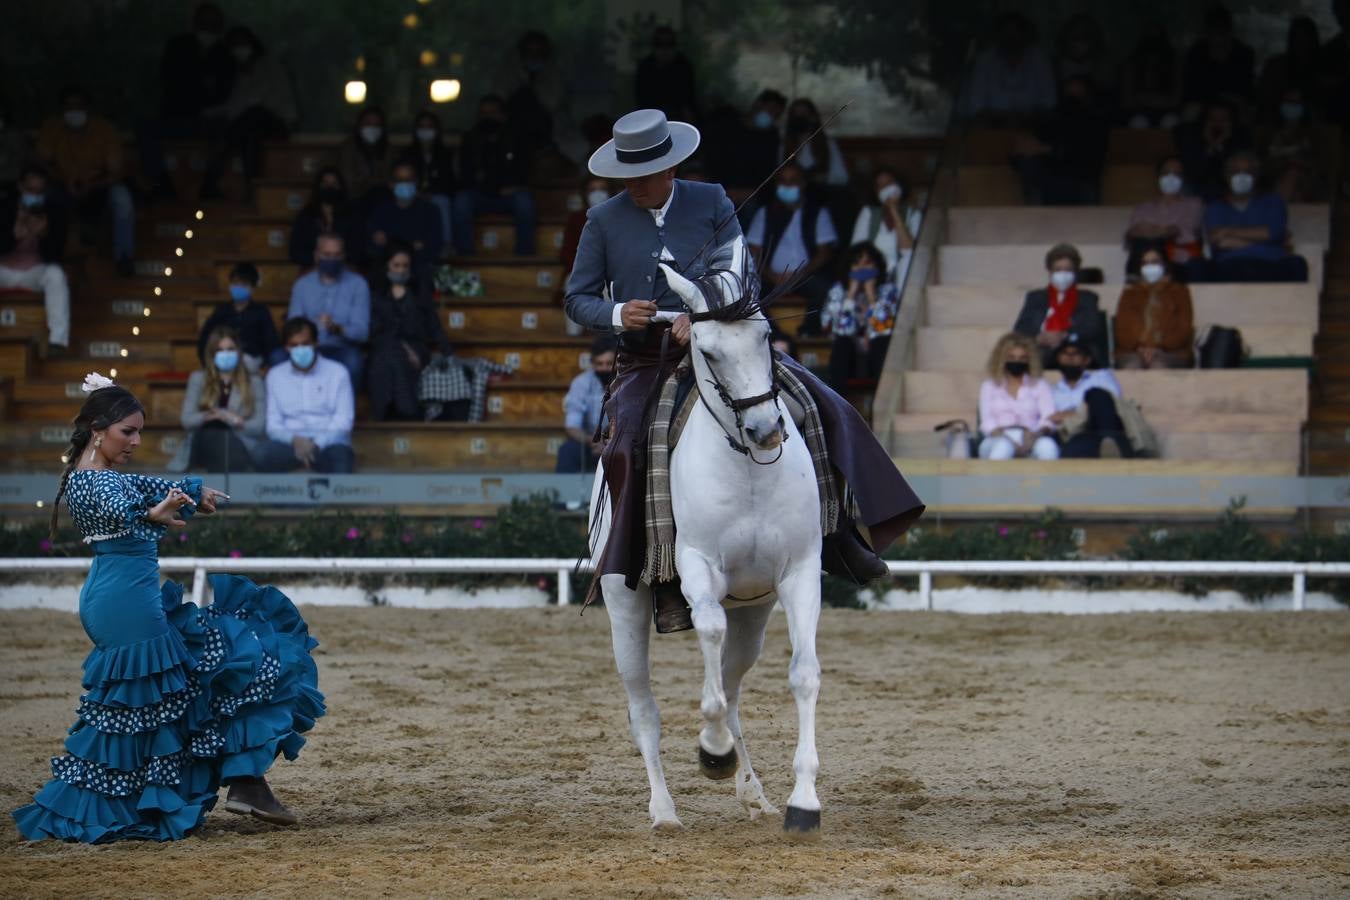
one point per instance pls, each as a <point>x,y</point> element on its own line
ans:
<point>738,405</point>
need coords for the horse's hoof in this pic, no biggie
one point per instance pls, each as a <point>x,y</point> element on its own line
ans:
<point>801,821</point>
<point>717,767</point>
<point>667,826</point>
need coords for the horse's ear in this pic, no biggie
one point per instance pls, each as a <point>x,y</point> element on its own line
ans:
<point>693,298</point>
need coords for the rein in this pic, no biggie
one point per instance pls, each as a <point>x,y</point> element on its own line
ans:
<point>738,405</point>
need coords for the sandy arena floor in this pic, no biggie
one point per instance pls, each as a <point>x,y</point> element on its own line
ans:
<point>486,753</point>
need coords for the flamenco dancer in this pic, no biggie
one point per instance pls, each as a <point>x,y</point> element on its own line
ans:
<point>178,700</point>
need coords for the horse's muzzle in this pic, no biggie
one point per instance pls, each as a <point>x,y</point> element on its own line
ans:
<point>772,437</point>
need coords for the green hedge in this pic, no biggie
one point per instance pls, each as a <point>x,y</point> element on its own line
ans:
<point>533,528</point>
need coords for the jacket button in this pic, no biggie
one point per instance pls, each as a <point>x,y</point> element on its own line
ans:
<point>656,254</point>
<point>649,278</point>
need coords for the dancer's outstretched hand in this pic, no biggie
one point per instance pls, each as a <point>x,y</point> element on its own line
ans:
<point>211,499</point>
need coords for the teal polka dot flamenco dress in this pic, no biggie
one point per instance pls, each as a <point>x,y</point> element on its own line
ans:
<point>178,699</point>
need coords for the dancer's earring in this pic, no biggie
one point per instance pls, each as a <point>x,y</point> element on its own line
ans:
<point>98,442</point>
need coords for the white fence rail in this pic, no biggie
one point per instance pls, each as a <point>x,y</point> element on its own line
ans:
<point>1298,572</point>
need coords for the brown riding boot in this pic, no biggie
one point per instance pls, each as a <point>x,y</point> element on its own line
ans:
<point>254,797</point>
<point>669,610</point>
<point>847,555</point>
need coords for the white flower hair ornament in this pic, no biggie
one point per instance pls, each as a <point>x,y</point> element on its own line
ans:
<point>95,382</point>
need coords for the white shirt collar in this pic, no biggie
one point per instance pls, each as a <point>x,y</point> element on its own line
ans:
<point>660,214</point>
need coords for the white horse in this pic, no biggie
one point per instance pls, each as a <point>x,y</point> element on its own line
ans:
<point>748,527</point>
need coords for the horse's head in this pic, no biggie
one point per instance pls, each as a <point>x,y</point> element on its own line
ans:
<point>730,347</point>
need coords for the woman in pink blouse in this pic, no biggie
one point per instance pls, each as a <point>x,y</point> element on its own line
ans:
<point>1016,404</point>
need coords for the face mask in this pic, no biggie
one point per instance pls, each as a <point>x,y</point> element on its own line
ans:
<point>1170,184</point>
<point>789,194</point>
<point>302,355</point>
<point>763,120</point>
<point>1152,272</point>
<point>242,54</point>
<point>330,268</point>
<point>596,197</point>
<point>1016,369</point>
<point>426,135</point>
<point>75,118</point>
<point>398,277</point>
<point>371,133</point>
<point>1242,183</point>
<point>1062,280</point>
<point>227,360</point>
<point>240,293</point>
<point>331,195</point>
<point>889,192</point>
<point>31,200</point>
<point>867,273</point>
<point>1072,373</point>
<point>405,190</point>
<point>605,377</point>
<point>1291,112</point>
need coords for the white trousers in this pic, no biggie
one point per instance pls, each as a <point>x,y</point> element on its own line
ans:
<point>51,281</point>
<point>1005,445</point>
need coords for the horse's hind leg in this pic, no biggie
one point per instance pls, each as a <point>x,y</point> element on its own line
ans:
<point>799,594</point>
<point>629,620</point>
<point>745,639</point>
<point>704,588</point>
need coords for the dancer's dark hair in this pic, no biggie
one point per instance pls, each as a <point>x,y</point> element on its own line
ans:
<point>104,408</point>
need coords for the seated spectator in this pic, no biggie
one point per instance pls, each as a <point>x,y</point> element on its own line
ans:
<point>1088,394</point>
<point>337,301</point>
<point>435,164</point>
<point>1172,217</point>
<point>1150,84</point>
<point>1219,67</point>
<point>1012,80</point>
<point>891,225</point>
<point>1060,161</point>
<point>310,409</point>
<point>584,409</point>
<point>83,155</point>
<point>404,328</point>
<point>224,411</point>
<point>594,191</point>
<point>761,142</point>
<point>1298,68</point>
<point>329,211</point>
<point>860,313</point>
<point>13,149</point>
<point>405,218</point>
<point>1154,320</point>
<point>249,322</point>
<point>1247,232</point>
<point>196,72</point>
<point>820,157</point>
<point>1016,404</point>
<point>1050,313</point>
<point>494,178</point>
<point>665,79</point>
<point>1081,53</point>
<point>261,106</point>
<point>793,238</point>
<point>1291,152</point>
<point>1204,145</point>
<point>30,254</point>
<point>364,158</point>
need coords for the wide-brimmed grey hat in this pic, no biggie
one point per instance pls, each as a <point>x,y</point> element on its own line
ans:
<point>644,143</point>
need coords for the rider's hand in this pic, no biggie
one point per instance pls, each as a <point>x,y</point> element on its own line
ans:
<point>637,314</point>
<point>679,330</point>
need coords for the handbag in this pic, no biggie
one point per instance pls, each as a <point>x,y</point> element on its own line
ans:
<point>1220,348</point>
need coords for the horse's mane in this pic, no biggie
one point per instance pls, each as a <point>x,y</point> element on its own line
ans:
<point>750,302</point>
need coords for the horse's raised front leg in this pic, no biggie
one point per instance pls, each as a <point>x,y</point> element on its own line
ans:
<point>704,588</point>
<point>629,620</point>
<point>799,594</point>
<point>745,640</point>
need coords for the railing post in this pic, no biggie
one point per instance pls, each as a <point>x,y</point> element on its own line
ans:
<point>926,589</point>
<point>199,585</point>
<point>564,587</point>
<point>1300,590</point>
